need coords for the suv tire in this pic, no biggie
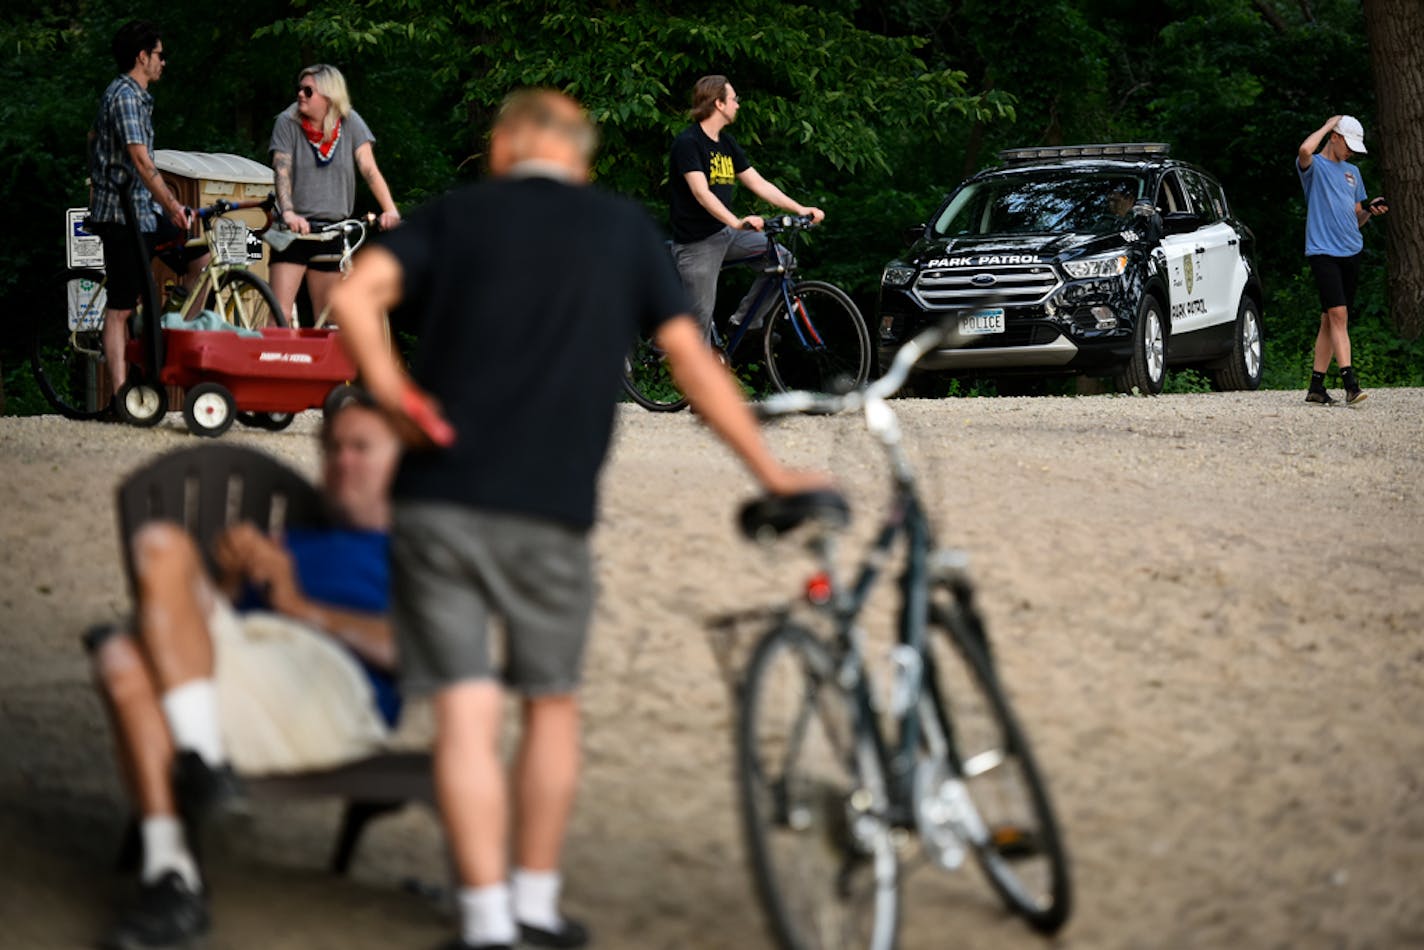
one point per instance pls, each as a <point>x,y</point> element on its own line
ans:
<point>1147,370</point>
<point>1243,367</point>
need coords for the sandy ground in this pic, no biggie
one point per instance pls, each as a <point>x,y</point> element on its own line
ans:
<point>1209,610</point>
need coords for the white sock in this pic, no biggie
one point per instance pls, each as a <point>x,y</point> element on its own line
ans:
<point>485,915</point>
<point>164,850</point>
<point>536,898</point>
<point>192,714</point>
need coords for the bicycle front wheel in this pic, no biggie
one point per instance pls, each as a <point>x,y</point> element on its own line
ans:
<point>813,798</point>
<point>820,344</point>
<point>65,362</point>
<point>245,300</point>
<point>989,788</point>
<point>647,379</point>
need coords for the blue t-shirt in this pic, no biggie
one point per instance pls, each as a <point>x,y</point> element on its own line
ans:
<point>1332,189</point>
<point>350,569</point>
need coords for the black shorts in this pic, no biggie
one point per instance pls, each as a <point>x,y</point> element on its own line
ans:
<point>1335,280</point>
<point>124,270</point>
<point>303,249</point>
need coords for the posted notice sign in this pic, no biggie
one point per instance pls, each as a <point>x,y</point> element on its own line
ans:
<point>82,248</point>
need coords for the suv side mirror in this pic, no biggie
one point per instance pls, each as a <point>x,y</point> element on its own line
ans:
<point>1180,222</point>
<point>913,234</point>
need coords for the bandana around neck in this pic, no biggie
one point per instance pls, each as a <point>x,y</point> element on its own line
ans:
<point>324,148</point>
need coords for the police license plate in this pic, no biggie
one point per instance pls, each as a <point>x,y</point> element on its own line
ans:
<point>982,322</point>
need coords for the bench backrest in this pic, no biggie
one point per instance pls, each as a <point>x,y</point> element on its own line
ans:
<point>211,487</point>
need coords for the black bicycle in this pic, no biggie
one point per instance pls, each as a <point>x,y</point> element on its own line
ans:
<point>813,336</point>
<point>837,780</point>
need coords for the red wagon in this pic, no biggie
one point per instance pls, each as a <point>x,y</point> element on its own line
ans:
<point>260,381</point>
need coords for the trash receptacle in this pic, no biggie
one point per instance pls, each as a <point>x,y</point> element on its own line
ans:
<point>200,178</point>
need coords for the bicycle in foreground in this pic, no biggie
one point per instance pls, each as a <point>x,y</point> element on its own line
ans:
<point>836,780</point>
<point>62,355</point>
<point>813,336</point>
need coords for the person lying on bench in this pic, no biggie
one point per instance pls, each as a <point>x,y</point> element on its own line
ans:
<point>281,663</point>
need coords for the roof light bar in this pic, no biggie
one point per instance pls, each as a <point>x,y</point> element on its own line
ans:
<point>1018,156</point>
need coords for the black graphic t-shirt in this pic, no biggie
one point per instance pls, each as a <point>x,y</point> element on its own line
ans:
<point>721,161</point>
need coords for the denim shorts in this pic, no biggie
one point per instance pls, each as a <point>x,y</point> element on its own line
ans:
<point>455,568</point>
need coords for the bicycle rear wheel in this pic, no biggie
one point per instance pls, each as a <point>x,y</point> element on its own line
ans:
<point>990,788</point>
<point>65,362</point>
<point>245,300</point>
<point>648,381</point>
<point>813,803</point>
<point>820,344</point>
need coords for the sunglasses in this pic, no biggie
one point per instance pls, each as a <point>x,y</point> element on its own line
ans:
<point>306,91</point>
<point>161,55</point>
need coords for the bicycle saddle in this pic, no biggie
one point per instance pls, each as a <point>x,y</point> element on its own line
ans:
<point>775,515</point>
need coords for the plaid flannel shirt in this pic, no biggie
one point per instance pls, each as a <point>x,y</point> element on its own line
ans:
<point>125,117</point>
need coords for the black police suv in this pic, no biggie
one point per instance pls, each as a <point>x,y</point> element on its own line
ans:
<point>1091,259</point>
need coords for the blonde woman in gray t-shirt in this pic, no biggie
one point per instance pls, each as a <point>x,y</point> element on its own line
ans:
<point>318,142</point>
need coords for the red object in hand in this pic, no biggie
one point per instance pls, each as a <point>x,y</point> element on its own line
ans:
<point>420,409</point>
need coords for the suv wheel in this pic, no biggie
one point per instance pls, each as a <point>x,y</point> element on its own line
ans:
<point>1243,367</point>
<point>1147,369</point>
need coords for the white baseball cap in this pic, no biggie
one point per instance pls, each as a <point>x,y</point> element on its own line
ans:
<point>1353,132</point>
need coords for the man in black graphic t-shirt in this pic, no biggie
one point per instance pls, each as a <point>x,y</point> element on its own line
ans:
<point>704,167</point>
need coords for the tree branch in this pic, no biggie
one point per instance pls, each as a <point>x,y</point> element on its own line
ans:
<point>1269,14</point>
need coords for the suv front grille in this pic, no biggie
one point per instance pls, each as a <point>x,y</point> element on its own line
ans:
<point>1014,285</point>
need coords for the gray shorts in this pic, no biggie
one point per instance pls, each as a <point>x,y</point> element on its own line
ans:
<point>453,568</point>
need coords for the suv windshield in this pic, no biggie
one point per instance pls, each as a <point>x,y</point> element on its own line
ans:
<point>1056,202</point>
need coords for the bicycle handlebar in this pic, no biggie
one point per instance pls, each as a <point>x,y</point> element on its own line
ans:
<point>222,206</point>
<point>824,404</point>
<point>787,222</point>
<point>367,222</point>
<point>808,403</point>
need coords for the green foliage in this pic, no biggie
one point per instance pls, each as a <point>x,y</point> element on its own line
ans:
<point>870,109</point>
<point>1186,381</point>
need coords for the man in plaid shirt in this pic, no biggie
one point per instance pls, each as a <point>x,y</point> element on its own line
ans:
<point>121,149</point>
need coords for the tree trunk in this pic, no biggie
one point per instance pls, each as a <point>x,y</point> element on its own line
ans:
<point>1397,61</point>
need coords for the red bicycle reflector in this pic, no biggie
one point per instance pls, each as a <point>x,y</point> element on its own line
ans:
<point>818,589</point>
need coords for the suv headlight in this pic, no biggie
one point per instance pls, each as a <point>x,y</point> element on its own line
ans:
<point>897,275</point>
<point>1096,267</point>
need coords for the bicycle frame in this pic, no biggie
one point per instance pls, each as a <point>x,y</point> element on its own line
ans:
<point>905,524</point>
<point>783,283</point>
<point>210,278</point>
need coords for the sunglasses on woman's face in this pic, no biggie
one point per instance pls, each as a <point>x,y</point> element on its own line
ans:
<point>306,91</point>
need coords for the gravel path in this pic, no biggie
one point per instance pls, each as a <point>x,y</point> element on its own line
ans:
<point>1209,610</point>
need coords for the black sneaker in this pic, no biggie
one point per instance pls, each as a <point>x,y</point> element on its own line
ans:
<point>1353,396</point>
<point>168,914</point>
<point>1319,397</point>
<point>459,944</point>
<point>571,933</point>
<point>203,791</point>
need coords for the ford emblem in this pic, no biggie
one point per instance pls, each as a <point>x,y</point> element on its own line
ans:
<point>983,280</point>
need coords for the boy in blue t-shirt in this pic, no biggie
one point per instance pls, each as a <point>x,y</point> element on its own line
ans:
<point>1336,209</point>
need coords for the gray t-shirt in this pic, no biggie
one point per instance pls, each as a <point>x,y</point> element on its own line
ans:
<point>321,192</point>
